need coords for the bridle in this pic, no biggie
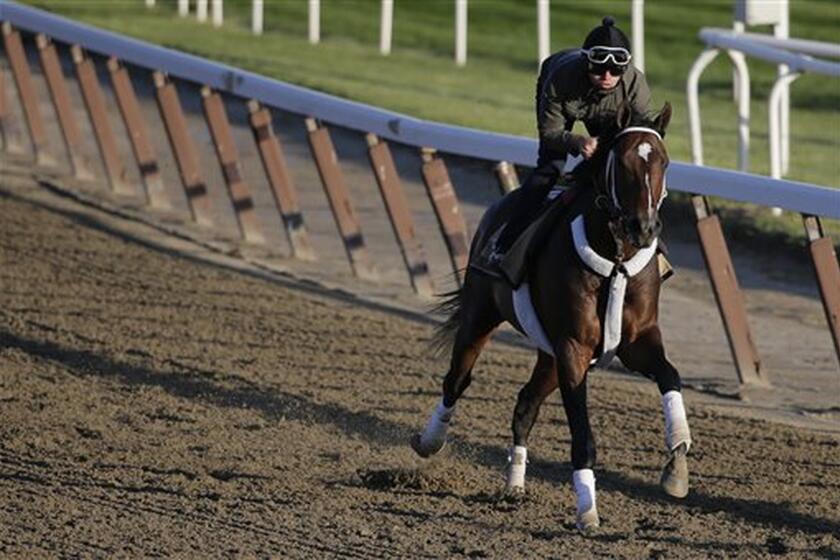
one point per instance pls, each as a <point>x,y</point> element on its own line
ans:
<point>608,200</point>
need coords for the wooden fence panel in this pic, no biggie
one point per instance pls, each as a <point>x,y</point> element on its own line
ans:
<point>240,194</point>
<point>27,94</point>
<point>138,134</point>
<point>730,299</point>
<point>63,107</point>
<point>282,186</point>
<point>94,101</point>
<point>399,214</point>
<point>184,150</point>
<point>448,213</point>
<point>339,198</point>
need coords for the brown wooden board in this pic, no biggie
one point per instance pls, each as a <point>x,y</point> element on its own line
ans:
<point>26,92</point>
<point>507,177</point>
<point>240,194</point>
<point>828,279</point>
<point>399,214</point>
<point>94,101</point>
<point>282,186</point>
<point>338,195</point>
<point>4,113</point>
<point>63,107</point>
<point>730,301</point>
<point>448,213</point>
<point>141,145</point>
<point>184,150</point>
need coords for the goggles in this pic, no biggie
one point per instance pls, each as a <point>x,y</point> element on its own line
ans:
<point>602,69</point>
<point>618,56</point>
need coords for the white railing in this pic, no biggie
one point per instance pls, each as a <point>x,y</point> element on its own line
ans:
<point>792,53</point>
<point>800,197</point>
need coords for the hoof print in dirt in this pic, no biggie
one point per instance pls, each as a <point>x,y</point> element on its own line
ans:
<point>400,479</point>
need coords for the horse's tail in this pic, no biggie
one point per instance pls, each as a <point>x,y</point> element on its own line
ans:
<point>444,336</point>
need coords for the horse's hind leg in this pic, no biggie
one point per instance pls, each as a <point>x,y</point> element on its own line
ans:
<point>480,318</point>
<point>542,383</point>
<point>647,355</point>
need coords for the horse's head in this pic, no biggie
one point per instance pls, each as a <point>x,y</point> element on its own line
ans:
<point>632,185</point>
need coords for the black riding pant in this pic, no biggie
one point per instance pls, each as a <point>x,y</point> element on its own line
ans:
<point>527,203</point>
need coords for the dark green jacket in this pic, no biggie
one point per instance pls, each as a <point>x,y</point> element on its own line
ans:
<point>565,95</point>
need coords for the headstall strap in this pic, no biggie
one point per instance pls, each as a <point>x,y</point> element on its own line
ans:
<point>610,171</point>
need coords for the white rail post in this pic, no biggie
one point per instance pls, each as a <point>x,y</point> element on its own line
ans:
<point>737,27</point>
<point>257,17</point>
<point>782,31</point>
<point>183,8</point>
<point>460,32</point>
<point>386,26</point>
<point>543,31</point>
<point>742,75</point>
<point>150,3</point>
<point>201,10</point>
<point>638,23</point>
<point>692,90</point>
<point>314,21</point>
<point>218,13</point>
<point>776,123</point>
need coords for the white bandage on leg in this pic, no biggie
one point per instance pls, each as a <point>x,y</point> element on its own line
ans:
<point>676,424</point>
<point>517,463</point>
<point>435,432</point>
<point>584,482</point>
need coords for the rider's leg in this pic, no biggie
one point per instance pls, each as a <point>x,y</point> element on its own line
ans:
<point>531,196</point>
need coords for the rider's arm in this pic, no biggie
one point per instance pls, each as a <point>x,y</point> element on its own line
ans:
<point>554,129</point>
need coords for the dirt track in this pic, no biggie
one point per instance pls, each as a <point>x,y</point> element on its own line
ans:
<point>155,403</point>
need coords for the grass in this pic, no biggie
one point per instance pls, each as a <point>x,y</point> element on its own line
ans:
<point>495,89</point>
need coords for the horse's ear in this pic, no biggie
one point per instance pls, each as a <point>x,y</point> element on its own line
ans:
<point>662,120</point>
<point>624,116</point>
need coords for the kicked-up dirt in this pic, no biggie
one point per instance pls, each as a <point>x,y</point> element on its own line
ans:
<point>157,403</point>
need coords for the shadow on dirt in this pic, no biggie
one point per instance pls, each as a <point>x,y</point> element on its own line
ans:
<point>228,390</point>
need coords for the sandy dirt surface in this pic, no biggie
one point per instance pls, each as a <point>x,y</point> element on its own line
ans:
<point>155,400</point>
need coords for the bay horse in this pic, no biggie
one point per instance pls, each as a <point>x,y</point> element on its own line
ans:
<point>591,293</point>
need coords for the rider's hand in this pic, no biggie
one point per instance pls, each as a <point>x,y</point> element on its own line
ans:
<point>589,147</point>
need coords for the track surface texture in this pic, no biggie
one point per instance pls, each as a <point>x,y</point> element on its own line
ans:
<point>153,402</point>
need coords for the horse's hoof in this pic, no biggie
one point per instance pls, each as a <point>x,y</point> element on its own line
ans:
<point>675,474</point>
<point>425,451</point>
<point>588,522</point>
<point>514,490</point>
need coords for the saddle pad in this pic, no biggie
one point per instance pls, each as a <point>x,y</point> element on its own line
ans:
<point>528,320</point>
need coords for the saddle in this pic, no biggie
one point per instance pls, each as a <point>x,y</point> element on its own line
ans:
<point>562,203</point>
<point>512,266</point>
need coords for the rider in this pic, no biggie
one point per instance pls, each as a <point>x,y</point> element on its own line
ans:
<point>589,85</point>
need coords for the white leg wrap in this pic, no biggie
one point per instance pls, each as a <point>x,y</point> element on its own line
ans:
<point>676,424</point>
<point>517,462</point>
<point>435,433</point>
<point>584,482</point>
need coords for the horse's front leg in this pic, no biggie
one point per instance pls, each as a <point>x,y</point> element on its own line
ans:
<point>647,355</point>
<point>542,383</point>
<point>572,365</point>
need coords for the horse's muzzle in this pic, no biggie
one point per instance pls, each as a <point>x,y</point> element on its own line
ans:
<point>642,231</point>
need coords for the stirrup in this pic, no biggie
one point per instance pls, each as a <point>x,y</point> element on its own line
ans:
<point>665,268</point>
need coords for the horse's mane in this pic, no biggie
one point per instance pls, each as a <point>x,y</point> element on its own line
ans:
<point>606,141</point>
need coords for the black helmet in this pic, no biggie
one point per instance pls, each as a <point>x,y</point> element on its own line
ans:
<point>607,35</point>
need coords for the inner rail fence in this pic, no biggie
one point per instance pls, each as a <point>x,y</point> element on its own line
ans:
<point>220,86</point>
